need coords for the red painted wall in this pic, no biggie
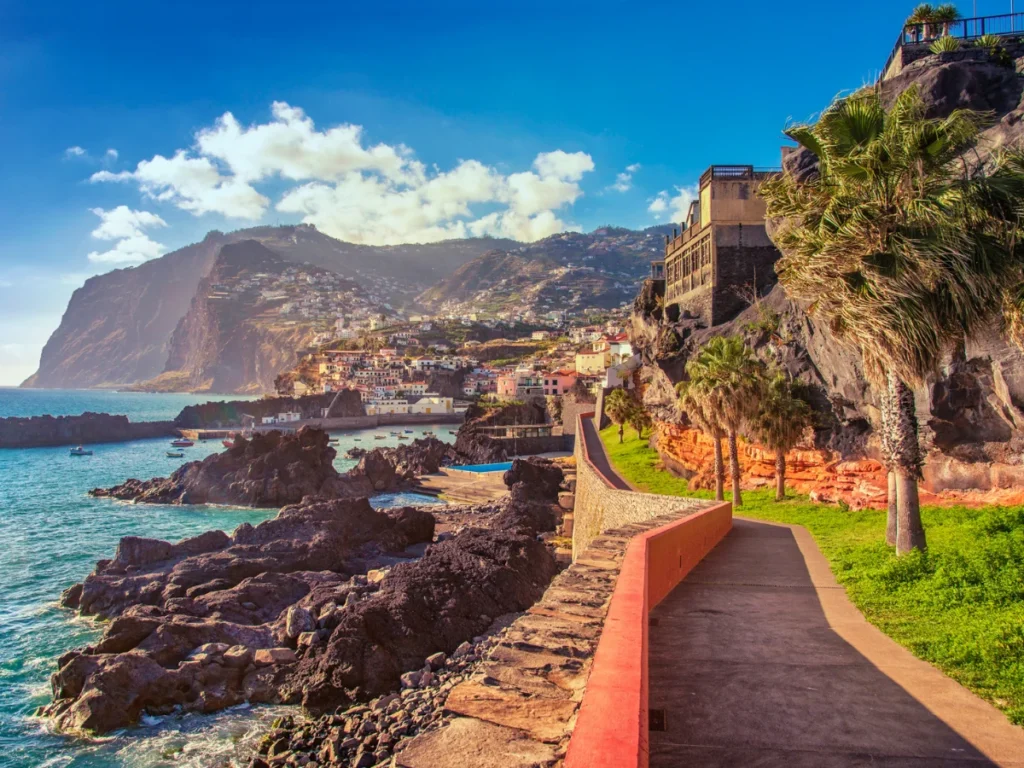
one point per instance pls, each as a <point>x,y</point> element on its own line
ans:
<point>612,726</point>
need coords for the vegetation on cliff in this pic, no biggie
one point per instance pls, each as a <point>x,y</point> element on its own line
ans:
<point>905,246</point>
<point>959,605</point>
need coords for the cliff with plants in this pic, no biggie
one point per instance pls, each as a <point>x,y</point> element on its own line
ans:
<point>970,407</point>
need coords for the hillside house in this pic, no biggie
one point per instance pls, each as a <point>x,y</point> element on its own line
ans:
<point>723,247</point>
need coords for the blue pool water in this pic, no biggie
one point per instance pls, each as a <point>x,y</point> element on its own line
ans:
<point>500,466</point>
<point>52,533</point>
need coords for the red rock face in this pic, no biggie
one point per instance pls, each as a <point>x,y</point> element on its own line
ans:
<point>824,476</point>
<point>818,473</point>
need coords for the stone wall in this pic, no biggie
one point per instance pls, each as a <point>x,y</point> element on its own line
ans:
<point>532,446</point>
<point>599,507</point>
<point>744,255</point>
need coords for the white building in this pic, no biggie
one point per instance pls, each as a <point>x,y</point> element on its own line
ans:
<point>433,404</point>
<point>378,407</point>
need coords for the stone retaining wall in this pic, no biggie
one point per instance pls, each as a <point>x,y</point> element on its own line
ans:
<point>600,507</point>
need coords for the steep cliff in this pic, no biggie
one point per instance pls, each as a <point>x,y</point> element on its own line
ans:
<point>234,337</point>
<point>117,327</point>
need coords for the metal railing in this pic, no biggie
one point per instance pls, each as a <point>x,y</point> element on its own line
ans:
<point>735,173</point>
<point>1007,24</point>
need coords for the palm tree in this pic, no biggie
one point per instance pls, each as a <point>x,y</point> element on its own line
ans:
<point>904,246</point>
<point>618,406</point>
<point>781,420</point>
<point>640,420</point>
<point>726,377</point>
<point>921,18</point>
<point>701,407</point>
<point>946,15</point>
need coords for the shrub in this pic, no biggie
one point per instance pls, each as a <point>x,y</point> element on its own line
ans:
<point>945,45</point>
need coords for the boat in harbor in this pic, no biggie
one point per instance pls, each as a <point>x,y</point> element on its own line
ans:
<point>182,443</point>
<point>380,437</point>
<point>80,451</point>
<point>403,437</point>
<point>175,454</point>
<point>408,431</point>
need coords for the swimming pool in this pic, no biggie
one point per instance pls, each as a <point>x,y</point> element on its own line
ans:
<point>498,467</point>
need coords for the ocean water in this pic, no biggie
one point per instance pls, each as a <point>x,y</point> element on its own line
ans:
<point>51,534</point>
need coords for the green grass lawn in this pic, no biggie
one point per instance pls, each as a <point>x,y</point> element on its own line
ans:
<point>959,606</point>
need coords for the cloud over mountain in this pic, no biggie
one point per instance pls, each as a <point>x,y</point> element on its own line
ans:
<point>127,227</point>
<point>354,190</point>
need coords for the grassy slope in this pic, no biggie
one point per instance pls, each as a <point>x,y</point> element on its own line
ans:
<point>959,606</point>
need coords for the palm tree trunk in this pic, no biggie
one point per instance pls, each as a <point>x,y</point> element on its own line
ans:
<point>890,518</point>
<point>719,470</point>
<point>889,407</point>
<point>734,469</point>
<point>780,475</point>
<point>906,456</point>
<point>621,428</point>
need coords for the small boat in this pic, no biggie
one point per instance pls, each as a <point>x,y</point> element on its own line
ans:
<point>403,437</point>
<point>408,431</point>
<point>428,433</point>
<point>333,441</point>
<point>452,432</point>
<point>80,451</point>
<point>182,443</point>
<point>175,454</point>
<point>380,437</point>
<point>358,439</point>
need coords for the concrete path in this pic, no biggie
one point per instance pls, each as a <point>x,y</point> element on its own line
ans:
<point>595,450</point>
<point>759,659</point>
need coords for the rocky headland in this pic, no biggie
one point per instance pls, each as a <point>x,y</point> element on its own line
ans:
<point>39,431</point>
<point>474,443</point>
<point>274,469</point>
<point>231,413</point>
<point>328,604</point>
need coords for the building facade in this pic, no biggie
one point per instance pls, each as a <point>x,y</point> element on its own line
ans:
<point>723,251</point>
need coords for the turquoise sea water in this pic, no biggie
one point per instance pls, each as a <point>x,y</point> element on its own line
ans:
<point>52,533</point>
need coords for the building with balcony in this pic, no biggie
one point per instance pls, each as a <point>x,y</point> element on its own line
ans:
<point>723,250</point>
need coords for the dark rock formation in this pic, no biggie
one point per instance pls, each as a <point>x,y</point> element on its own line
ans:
<point>271,470</point>
<point>90,427</point>
<point>534,480</point>
<point>475,446</point>
<point>287,611</point>
<point>216,620</point>
<point>230,413</point>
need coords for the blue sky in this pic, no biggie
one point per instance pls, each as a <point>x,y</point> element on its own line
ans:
<point>498,118</point>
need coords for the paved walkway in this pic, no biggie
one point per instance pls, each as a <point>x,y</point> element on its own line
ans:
<point>595,450</point>
<point>759,659</point>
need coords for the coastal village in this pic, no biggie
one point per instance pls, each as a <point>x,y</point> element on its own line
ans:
<point>748,492</point>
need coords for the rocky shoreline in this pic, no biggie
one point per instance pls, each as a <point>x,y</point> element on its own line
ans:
<point>274,469</point>
<point>329,604</point>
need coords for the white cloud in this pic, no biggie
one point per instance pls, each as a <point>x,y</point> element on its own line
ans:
<point>624,180</point>
<point>111,155</point>
<point>127,227</point>
<point>673,207</point>
<point>75,151</point>
<point>375,194</point>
